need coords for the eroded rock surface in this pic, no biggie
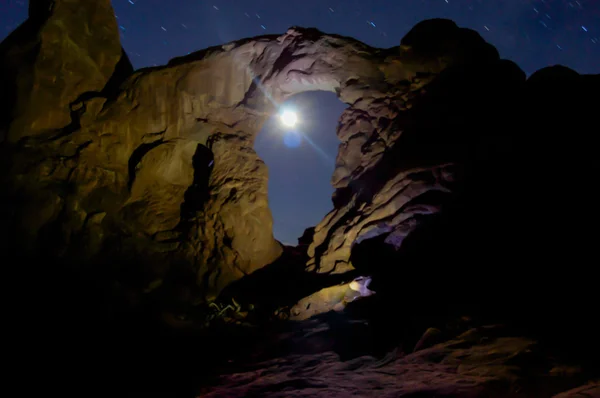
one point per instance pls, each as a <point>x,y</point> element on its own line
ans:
<point>66,50</point>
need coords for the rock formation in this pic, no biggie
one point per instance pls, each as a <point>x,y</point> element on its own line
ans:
<point>462,187</point>
<point>62,55</point>
<point>132,172</point>
<point>156,167</point>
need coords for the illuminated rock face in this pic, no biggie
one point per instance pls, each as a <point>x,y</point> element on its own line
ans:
<point>163,168</point>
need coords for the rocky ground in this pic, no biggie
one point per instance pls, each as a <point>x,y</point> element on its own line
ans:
<point>71,342</point>
<point>480,362</point>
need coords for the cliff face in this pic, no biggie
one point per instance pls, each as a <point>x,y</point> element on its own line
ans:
<point>156,167</point>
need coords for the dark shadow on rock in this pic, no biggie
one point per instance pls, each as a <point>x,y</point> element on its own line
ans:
<point>369,255</point>
<point>122,71</point>
<point>198,192</point>
<point>136,157</point>
<point>464,113</point>
<point>514,244</point>
<point>307,237</point>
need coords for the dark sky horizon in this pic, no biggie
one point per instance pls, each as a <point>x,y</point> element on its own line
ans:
<point>533,33</point>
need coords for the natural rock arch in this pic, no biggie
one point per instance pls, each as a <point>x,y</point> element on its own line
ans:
<point>219,98</point>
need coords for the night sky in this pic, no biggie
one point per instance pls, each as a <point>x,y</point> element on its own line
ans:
<point>532,33</point>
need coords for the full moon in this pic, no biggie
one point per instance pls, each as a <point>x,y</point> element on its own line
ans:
<point>289,118</point>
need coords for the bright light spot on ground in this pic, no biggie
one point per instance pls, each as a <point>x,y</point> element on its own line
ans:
<point>289,118</point>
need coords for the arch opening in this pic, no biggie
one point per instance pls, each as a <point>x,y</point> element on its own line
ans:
<point>301,159</point>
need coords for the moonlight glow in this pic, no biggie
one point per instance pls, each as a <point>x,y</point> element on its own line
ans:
<point>289,118</point>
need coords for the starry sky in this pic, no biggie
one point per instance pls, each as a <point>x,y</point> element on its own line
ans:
<point>533,33</point>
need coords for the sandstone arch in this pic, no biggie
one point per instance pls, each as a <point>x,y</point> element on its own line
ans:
<point>218,98</point>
